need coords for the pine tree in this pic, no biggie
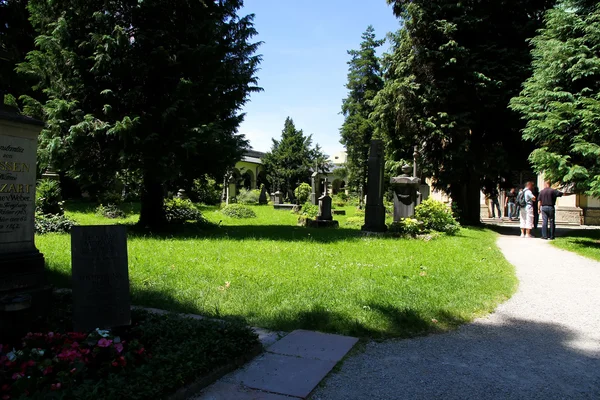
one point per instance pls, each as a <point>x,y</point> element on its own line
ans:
<point>153,86</point>
<point>364,82</point>
<point>561,100</point>
<point>453,69</point>
<point>290,160</point>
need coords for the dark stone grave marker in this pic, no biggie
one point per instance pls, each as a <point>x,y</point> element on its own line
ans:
<point>100,277</point>
<point>375,210</point>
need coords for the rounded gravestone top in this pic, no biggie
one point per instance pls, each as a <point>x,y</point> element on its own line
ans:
<point>406,169</point>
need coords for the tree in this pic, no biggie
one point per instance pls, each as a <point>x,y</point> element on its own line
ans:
<point>450,76</point>
<point>561,100</point>
<point>364,82</point>
<point>150,86</point>
<point>16,40</point>
<point>290,160</point>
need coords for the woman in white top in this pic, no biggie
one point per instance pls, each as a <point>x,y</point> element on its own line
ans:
<point>526,217</point>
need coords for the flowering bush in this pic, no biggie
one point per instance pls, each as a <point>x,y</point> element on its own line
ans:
<point>53,361</point>
<point>407,226</point>
<point>437,216</point>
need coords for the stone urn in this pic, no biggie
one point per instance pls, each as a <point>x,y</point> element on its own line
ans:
<point>406,194</point>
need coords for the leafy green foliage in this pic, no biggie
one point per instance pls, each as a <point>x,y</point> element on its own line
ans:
<point>52,223</point>
<point>436,216</point>
<point>407,226</point>
<point>290,160</point>
<point>309,210</point>
<point>364,82</point>
<point>48,198</point>
<point>355,221</point>
<point>248,196</point>
<point>179,211</point>
<point>238,211</point>
<point>303,192</point>
<point>110,211</point>
<point>561,100</point>
<point>207,191</point>
<point>452,70</point>
<point>102,118</point>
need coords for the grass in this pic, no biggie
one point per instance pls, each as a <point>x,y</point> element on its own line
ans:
<point>273,274</point>
<point>583,242</point>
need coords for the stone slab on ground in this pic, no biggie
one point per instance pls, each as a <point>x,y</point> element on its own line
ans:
<point>232,391</point>
<point>317,345</point>
<point>287,375</point>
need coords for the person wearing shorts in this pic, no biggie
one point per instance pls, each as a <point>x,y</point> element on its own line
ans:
<point>526,217</point>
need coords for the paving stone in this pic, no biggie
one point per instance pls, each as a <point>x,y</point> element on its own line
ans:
<point>230,391</point>
<point>288,375</point>
<point>308,344</point>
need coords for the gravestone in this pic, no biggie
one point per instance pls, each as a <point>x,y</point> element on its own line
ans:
<point>325,208</point>
<point>231,190</point>
<point>24,293</point>
<point>100,277</point>
<point>406,194</point>
<point>278,198</point>
<point>314,197</point>
<point>375,210</point>
<point>262,198</point>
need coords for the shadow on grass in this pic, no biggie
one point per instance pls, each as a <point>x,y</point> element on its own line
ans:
<point>397,323</point>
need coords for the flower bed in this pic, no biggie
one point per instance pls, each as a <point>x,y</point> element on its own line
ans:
<point>152,358</point>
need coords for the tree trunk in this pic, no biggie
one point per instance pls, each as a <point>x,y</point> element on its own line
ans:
<point>466,196</point>
<point>152,213</point>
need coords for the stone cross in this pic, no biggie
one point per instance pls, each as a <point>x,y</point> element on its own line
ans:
<point>375,210</point>
<point>24,292</point>
<point>314,197</point>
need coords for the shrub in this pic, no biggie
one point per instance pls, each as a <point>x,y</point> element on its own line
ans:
<point>248,196</point>
<point>48,198</point>
<point>309,210</point>
<point>340,199</point>
<point>238,211</point>
<point>49,223</point>
<point>355,221</point>
<point>303,192</point>
<point>179,211</point>
<point>407,226</point>
<point>110,211</point>
<point>437,216</point>
<point>206,191</point>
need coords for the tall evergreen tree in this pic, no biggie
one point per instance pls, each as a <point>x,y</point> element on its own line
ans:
<point>152,86</point>
<point>16,40</point>
<point>453,69</point>
<point>290,160</point>
<point>561,100</point>
<point>364,82</point>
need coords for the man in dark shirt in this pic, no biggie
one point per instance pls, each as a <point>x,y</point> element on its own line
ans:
<point>511,203</point>
<point>547,202</point>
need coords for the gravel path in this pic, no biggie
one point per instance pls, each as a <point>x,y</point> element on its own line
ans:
<point>544,343</point>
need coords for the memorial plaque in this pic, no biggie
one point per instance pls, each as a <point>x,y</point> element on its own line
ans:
<point>100,277</point>
<point>17,189</point>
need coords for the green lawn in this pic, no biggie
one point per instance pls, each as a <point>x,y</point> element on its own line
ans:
<point>583,242</point>
<point>279,276</point>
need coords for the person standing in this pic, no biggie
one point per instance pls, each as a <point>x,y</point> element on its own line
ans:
<point>526,200</point>
<point>510,203</point>
<point>536,214</point>
<point>547,207</point>
<point>493,197</point>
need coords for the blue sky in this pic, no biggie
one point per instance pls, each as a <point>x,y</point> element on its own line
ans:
<point>304,68</point>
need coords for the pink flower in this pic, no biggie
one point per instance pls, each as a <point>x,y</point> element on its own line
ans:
<point>55,386</point>
<point>47,370</point>
<point>104,342</point>
<point>50,334</point>
<point>75,345</point>
<point>115,364</point>
<point>84,351</point>
<point>74,370</point>
<point>119,348</point>
<point>17,375</point>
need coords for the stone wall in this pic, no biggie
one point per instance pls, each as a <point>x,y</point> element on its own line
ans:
<point>569,215</point>
<point>591,216</point>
